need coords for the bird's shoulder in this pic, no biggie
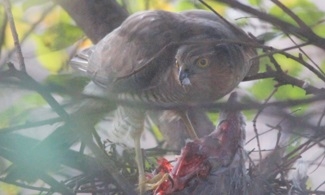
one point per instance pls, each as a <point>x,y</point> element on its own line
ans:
<point>141,39</point>
<point>149,40</point>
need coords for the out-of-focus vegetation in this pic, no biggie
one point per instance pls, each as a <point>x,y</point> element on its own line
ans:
<point>39,153</point>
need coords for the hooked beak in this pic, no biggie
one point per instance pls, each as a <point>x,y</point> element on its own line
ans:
<point>183,77</point>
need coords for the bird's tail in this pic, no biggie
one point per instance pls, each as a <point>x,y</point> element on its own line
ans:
<point>80,61</point>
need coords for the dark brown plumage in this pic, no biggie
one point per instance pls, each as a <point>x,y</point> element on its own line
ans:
<point>163,57</point>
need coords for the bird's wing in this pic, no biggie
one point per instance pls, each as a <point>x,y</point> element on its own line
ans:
<point>139,42</point>
<point>130,56</point>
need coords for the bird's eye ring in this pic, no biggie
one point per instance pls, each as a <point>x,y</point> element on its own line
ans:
<point>202,62</point>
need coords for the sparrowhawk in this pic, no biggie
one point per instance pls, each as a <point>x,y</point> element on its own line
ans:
<point>162,57</point>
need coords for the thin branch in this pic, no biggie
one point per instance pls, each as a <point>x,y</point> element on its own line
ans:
<point>234,28</point>
<point>285,79</point>
<point>31,83</point>
<point>272,50</point>
<point>276,65</point>
<point>321,118</point>
<point>30,125</point>
<point>211,107</point>
<point>320,185</point>
<point>311,142</point>
<point>297,59</point>
<point>3,30</point>
<point>319,164</point>
<point>14,33</point>
<point>309,58</point>
<point>255,120</point>
<point>57,186</point>
<point>319,95</point>
<point>102,157</point>
<point>30,31</point>
<point>285,26</point>
<point>293,16</point>
<point>304,63</point>
<point>277,127</point>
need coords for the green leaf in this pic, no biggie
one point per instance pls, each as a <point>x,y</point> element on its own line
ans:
<point>61,36</point>
<point>255,2</point>
<point>249,114</point>
<point>292,67</point>
<point>51,60</point>
<point>184,5</point>
<point>214,117</point>
<point>289,92</point>
<point>262,88</point>
<point>322,65</point>
<point>218,7</point>
<point>320,30</point>
<point>156,132</point>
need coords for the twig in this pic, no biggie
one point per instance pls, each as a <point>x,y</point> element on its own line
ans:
<point>297,59</point>
<point>318,164</point>
<point>276,65</point>
<point>293,16</point>
<point>212,107</point>
<point>304,63</point>
<point>321,118</point>
<point>103,158</point>
<point>320,185</point>
<point>30,31</point>
<point>31,83</point>
<point>285,79</point>
<point>304,147</point>
<point>285,26</point>
<point>57,186</point>
<point>11,21</point>
<point>3,30</point>
<point>255,120</point>
<point>238,32</point>
<point>272,50</point>
<point>274,127</point>
<point>30,125</point>
<point>249,38</point>
<point>263,133</point>
<point>309,58</point>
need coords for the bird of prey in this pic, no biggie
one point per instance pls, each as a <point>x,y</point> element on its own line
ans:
<point>162,57</point>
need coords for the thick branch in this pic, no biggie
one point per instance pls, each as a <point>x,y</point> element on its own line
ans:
<point>96,17</point>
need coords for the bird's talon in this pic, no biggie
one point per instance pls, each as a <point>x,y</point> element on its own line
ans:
<point>154,182</point>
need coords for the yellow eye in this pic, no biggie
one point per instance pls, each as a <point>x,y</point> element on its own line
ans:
<point>202,62</point>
